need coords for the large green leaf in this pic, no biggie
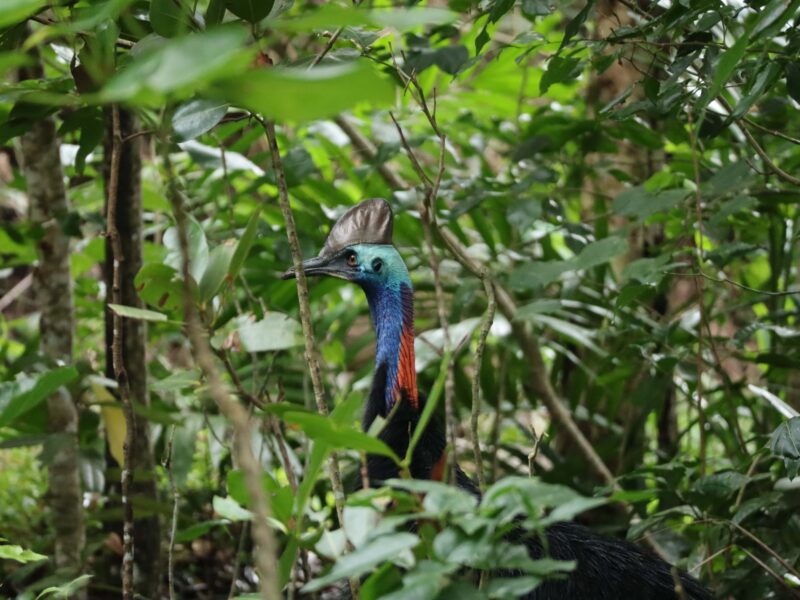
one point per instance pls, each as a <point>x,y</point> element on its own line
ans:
<point>293,94</point>
<point>19,554</point>
<point>275,331</point>
<point>14,11</point>
<point>178,67</point>
<point>219,260</point>
<point>198,250</point>
<point>19,397</point>
<point>251,11</point>
<point>170,17</point>
<point>331,16</point>
<point>244,244</point>
<point>785,442</point>
<point>197,117</point>
<point>141,314</point>
<point>360,561</point>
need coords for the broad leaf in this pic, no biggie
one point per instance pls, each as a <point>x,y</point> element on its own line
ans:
<point>196,117</point>
<point>364,559</point>
<point>142,314</point>
<point>325,90</point>
<point>275,331</point>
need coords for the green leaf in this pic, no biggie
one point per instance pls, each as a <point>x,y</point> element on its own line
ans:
<point>66,591</point>
<point>178,67</point>
<point>219,261</point>
<point>230,509</point>
<point>15,11</point>
<point>276,331</point>
<point>19,397</point>
<point>332,16</point>
<point>360,561</point>
<point>251,11</point>
<point>198,249</point>
<point>157,285</point>
<point>720,485</point>
<point>723,69</point>
<point>793,80</point>
<point>765,78</point>
<point>639,203</point>
<point>559,70</point>
<point>20,554</point>
<point>245,244</point>
<point>170,18</point>
<point>215,12</point>
<point>785,442</point>
<point>574,26</point>
<point>141,314</point>
<point>197,530</point>
<point>537,274</point>
<point>326,90</point>
<point>197,117</point>
<point>321,428</point>
<point>13,60</point>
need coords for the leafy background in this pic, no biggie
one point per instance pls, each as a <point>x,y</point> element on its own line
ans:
<point>625,170</point>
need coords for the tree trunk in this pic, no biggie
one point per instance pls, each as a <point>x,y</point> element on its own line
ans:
<point>147,537</point>
<point>53,289</point>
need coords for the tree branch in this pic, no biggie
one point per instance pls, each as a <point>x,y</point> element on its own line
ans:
<point>265,551</point>
<point>305,313</point>
<point>117,359</point>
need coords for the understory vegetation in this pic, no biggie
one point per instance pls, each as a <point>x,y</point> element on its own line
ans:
<point>599,206</point>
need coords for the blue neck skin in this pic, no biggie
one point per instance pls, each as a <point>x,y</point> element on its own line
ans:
<point>391,305</point>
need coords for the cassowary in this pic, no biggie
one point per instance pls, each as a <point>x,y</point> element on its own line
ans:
<point>359,249</point>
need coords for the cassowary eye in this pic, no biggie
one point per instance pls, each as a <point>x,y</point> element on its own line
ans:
<point>376,265</point>
<point>352,260</point>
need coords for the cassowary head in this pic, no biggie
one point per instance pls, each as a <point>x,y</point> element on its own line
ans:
<point>359,249</point>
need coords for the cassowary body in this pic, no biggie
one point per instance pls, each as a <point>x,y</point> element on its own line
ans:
<point>359,249</point>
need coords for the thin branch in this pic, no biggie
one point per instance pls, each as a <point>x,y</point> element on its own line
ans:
<point>305,313</point>
<point>759,150</point>
<point>701,415</point>
<point>367,149</point>
<point>265,551</point>
<point>742,286</point>
<point>486,326</point>
<point>167,464</point>
<point>318,58</point>
<point>774,132</point>
<point>117,360</point>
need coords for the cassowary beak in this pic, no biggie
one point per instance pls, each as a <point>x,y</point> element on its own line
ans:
<point>322,265</point>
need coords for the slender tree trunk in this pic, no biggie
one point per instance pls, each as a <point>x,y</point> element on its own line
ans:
<point>53,289</point>
<point>147,538</point>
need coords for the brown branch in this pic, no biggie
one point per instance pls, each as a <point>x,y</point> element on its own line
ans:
<point>265,552</point>
<point>486,326</point>
<point>367,149</point>
<point>759,150</point>
<point>166,462</point>
<point>117,360</point>
<point>700,288</point>
<point>305,314</point>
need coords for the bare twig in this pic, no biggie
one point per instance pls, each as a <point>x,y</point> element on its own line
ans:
<point>770,571</point>
<point>118,361</point>
<point>265,551</point>
<point>305,313</point>
<point>366,148</point>
<point>759,150</point>
<point>698,243</point>
<point>166,462</point>
<point>486,326</point>
<point>318,58</point>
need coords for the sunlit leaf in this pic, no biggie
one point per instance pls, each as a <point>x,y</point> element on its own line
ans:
<point>325,90</point>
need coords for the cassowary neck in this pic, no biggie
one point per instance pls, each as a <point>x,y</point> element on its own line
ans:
<point>392,310</point>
